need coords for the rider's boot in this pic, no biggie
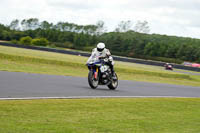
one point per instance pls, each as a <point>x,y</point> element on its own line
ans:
<point>113,74</point>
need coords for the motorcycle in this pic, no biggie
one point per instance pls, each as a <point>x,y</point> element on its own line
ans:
<point>100,74</point>
<point>168,67</point>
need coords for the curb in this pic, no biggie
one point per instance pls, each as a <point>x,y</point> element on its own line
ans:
<point>92,97</point>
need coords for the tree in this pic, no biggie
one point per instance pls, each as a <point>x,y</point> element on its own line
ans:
<point>90,29</point>
<point>5,33</point>
<point>117,44</point>
<point>80,41</point>
<point>181,52</point>
<point>46,25</point>
<point>100,27</point>
<point>142,27</point>
<point>30,24</point>
<point>14,25</point>
<point>124,26</point>
<point>16,35</point>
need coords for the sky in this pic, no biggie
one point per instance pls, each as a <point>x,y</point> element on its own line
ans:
<point>169,17</point>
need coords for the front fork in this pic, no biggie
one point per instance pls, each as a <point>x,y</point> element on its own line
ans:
<point>95,70</point>
<point>96,73</point>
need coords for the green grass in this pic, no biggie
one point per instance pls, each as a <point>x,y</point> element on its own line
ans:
<point>32,61</point>
<point>136,115</point>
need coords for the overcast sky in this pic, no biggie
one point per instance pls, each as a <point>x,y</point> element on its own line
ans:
<point>171,17</point>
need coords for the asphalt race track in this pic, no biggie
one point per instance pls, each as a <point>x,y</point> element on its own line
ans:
<point>25,85</point>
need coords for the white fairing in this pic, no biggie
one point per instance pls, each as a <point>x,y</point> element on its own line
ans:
<point>92,60</point>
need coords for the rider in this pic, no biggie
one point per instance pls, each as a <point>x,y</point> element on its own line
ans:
<point>102,52</point>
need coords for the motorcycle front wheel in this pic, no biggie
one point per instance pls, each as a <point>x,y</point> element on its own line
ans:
<point>114,83</point>
<point>92,81</point>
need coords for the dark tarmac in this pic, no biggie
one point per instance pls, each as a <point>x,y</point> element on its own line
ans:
<point>24,85</point>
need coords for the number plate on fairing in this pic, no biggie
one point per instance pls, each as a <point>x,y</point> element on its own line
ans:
<point>103,68</point>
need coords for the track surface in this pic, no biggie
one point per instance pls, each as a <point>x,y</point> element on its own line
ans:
<point>21,85</point>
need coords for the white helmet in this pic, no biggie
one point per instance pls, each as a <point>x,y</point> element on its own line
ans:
<point>100,46</point>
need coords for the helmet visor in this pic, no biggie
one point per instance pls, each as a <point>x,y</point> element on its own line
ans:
<point>100,49</point>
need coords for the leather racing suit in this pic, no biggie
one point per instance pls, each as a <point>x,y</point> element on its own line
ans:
<point>105,54</point>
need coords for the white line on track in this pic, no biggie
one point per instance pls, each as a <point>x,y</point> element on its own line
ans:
<point>87,97</point>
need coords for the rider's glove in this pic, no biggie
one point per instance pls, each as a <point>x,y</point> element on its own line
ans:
<point>101,57</point>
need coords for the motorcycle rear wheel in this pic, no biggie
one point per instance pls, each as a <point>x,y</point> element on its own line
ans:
<point>92,82</point>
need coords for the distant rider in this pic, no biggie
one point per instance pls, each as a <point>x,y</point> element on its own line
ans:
<point>101,52</point>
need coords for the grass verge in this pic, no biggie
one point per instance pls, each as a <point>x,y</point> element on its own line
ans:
<point>135,115</point>
<point>24,60</point>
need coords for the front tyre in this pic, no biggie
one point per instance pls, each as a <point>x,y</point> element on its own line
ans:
<point>92,81</point>
<point>114,83</point>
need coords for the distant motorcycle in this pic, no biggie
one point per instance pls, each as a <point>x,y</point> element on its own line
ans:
<point>100,74</point>
<point>168,66</point>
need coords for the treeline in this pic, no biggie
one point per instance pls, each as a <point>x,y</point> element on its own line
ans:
<point>156,47</point>
<point>125,40</point>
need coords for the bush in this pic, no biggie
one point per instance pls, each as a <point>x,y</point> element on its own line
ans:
<point>14,41</point>
<point>25,40</point>
<point>40,42</point>
<point>88,48</point>
<point>64,45</point>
